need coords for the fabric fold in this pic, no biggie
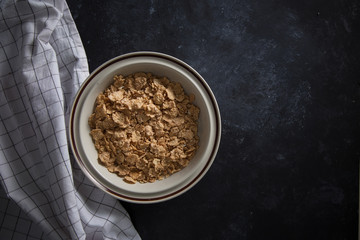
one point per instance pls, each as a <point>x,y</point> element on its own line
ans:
<point>42,64</point>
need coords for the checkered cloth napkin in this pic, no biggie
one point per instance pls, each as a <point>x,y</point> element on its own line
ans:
<point>43,193</point>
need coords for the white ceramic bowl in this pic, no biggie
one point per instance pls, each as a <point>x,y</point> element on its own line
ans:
<point>209,129</point>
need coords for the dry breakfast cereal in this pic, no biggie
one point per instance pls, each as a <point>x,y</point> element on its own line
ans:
<point>144,127</point>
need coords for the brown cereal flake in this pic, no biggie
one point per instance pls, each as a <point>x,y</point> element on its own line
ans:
<point>144,127</point>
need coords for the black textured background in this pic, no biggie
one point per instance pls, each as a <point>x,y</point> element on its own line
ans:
<point>286,75</point>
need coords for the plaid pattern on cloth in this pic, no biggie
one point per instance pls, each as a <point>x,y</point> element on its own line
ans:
<point>43,193</point>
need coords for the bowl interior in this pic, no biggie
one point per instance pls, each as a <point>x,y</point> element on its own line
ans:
<point>100,80</point>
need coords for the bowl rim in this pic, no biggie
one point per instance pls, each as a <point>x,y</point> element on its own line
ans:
<point>166,196</point>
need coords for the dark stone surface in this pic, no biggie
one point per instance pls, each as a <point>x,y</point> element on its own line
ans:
<point>286,76</point>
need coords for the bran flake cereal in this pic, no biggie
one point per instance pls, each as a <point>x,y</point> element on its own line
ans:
<point>144,127</point>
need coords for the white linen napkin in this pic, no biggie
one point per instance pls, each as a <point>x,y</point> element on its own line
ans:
<point>43,193</point>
